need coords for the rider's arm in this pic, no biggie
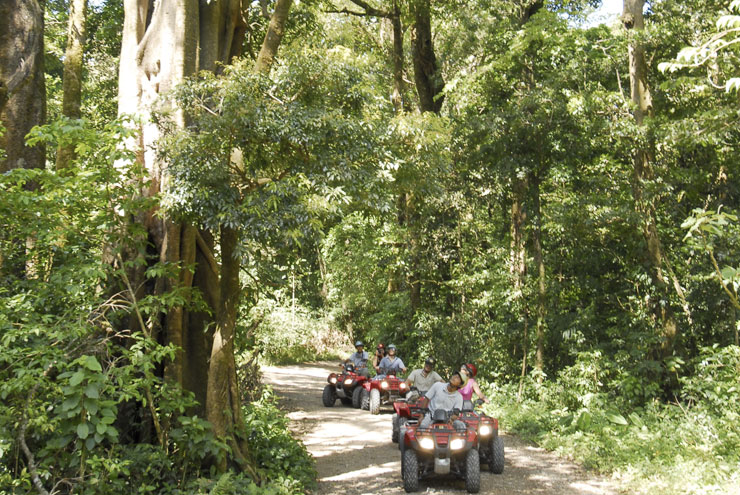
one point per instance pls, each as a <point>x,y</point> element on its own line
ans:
<point>477,391</point>
<point>410,379</point>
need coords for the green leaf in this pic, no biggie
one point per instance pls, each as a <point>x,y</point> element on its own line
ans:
<point>729,273</point>
<point>91,406</point>
<point>732,84</point>
<point>70,403</point>
<point>101,427</point>
<point>91,363</point>
<point>616,418</point>
<point>77,378</point>
<point>83,430</point>
<point>92,391</point>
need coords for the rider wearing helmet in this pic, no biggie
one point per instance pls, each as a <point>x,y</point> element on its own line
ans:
<point>471,370</point>
<point>423,378</point>
<point>391,362</point>
<point>445,396</point>
<point>379,355</point>
<point>359,359</point>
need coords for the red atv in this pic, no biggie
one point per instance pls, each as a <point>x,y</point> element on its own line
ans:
<point>382,391</point>
<point>407,410</point>
<point>347,386</point>
<point>490,444</point>
<point>439,449</point>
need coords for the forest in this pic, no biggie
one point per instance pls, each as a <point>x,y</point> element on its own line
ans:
<point>192,189</point>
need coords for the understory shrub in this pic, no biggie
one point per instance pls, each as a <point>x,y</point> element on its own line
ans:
<point>292,334</point>
<point>689,446</point>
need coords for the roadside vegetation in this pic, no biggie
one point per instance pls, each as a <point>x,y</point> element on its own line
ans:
<point>495,181</point>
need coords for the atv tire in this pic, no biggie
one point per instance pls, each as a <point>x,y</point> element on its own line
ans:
<point>365,400</point>
<point>357,397</point>
<point>329,396</point>
<point>374,401</point>
<point>472,471</point>
<point>398,422</point>
<point>496,455</point>
<point>410,471</point>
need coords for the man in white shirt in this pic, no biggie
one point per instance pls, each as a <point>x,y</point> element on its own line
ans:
<point>446,396</point>
<point>423,378</point>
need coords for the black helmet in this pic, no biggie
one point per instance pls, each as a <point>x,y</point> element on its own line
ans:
<point>430,361</point>
<point>359,343</point>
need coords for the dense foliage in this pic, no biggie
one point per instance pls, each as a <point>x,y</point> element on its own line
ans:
<point>503,230</point>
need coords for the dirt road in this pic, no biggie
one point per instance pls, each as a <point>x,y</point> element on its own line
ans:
<point>355,456</point>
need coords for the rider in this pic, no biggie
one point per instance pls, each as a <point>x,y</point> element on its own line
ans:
<point>359,359</point>
<point>446,396</point>
<point>472,386</point>
<point>423,378</point>
<point>378,356</point>
<point>391,362</point>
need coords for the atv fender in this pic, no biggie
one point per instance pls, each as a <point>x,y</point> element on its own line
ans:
<point>402,409</point>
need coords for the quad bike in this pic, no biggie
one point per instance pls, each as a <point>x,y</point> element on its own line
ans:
<point>347,386</point>
<point>407,409</point>
<point>490,444</point>
<point>439,449</point>
<point>382,391</point>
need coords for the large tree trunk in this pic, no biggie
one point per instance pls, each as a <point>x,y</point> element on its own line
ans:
<point>429,85</point>
<point>159,49</point>
<point>273,37</point>
<point>223,405</point>
<point>22,87</point>
<point>427,76</point>
<point>163,43</point>
<point>397,56</point>
<point>539,260</point>
<point>72,78</point>
<point>518,264</point>
<point>632,19</point>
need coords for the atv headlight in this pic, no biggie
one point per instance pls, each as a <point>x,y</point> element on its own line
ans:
<point>403,385</point>
<point>333,380</point>
<point>426,443</point>
<point>485,430</point>
<point>384,385</point>
<point>348,381</point>
<point>457,443</point>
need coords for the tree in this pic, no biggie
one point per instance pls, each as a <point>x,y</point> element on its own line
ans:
<point>632,19</point>
<point>22,88</point>
<point>72,79</point>
<point>153,62</point>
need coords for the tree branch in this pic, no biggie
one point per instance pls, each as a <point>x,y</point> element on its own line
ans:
<point>370,11</point>
<point>206,250</point>
<point>22,438</point>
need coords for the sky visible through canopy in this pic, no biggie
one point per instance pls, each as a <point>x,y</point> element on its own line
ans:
<point>609,10</point>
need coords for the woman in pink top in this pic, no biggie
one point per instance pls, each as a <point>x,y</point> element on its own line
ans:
<point>472,386</point>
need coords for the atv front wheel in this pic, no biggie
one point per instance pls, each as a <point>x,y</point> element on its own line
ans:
<point>472,471</point>
<point>410,471</point>
<point>396,427</point>
<point>329,396</point>
<point>496,459</point>
<point>357,397</point>
<point>375,401</point>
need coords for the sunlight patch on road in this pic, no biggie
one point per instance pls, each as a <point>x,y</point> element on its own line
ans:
<point>582,487</point>
<point>375,470</point>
